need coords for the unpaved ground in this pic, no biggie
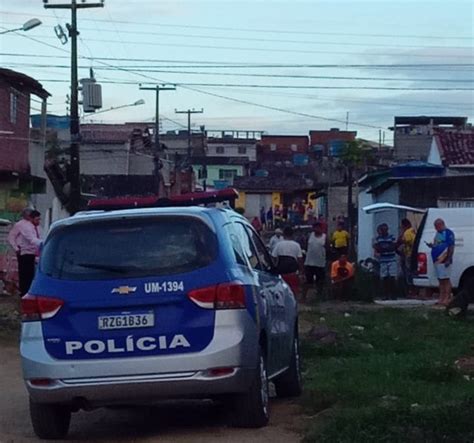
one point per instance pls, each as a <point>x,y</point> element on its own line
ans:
<point>174,423</point>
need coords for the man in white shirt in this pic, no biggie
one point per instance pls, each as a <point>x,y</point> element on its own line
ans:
<point>315,263</point>
<point>25,239</point>
<point>288,248</point>
<point>277,238</point>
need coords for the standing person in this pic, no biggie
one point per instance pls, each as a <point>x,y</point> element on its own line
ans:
<point>270,218</point>
<point>340,240</point>
<point>301,208</point>
<point>385,246</point>
<point>25,238</point>
<point>289,250</point>
<point>284,213</point>
<point>315,262</point>
<point>276,238</point>
<point>263,216</point>
<point>310,214</point>
<point>442,251</point>
<point>277,216</point>
<point>256,224</point>
<point>342,278</point>
<point>324,225</point>
<point>406,241</point>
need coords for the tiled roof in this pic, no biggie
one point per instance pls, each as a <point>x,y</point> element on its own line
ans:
<point>456,148</point>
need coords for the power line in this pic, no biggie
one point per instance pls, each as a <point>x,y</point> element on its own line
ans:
<point>229,98</point>
<point>235,85</point>
<point>279,50</point>
<point>232,65</point>
<point>263,30</point>
<point>239,74</point>
<point>254,39</point>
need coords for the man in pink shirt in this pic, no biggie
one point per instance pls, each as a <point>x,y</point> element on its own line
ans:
<point>25,239</point>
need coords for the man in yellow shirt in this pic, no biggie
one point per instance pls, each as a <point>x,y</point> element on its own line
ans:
<point>406,241</point>
<point>340,240</point>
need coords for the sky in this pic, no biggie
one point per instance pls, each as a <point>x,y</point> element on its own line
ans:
<point>258,65</point>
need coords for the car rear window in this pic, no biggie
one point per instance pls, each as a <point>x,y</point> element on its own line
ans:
<point>124,248</point>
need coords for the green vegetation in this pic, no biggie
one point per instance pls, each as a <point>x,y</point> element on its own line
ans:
<point>390,377</point>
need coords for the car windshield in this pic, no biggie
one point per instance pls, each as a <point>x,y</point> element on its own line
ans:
<point>128,248</point>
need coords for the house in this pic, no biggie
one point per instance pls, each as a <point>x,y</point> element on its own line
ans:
<point>413,136</point>
<point>257,192</point>
<point>237,144</point>
<point>452,149</point>
<point>18,177</point>
<point>281,147</point>
<point>219,172</point>
<point>326,143</point>
<point>176,143</point>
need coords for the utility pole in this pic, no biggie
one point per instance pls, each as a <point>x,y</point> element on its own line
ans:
<point>189,112</point>
<point>74,128</point>
<point>156,157</point>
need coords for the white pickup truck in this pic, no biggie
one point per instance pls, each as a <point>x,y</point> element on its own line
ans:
<point>461,222</point>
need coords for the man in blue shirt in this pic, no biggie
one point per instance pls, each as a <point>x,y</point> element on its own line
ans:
<point>385,246</point>
<point>442,250</point>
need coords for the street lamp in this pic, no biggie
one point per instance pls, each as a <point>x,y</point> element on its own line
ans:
<point>113,108</point>
<point>30,24</point>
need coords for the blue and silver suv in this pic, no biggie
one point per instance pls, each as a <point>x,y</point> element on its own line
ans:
<point>132,306</point>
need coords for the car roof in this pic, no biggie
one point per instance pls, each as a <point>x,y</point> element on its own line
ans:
<point>190,211</point>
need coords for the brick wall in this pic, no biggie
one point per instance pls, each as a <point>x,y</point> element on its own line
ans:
<point>14,147</point>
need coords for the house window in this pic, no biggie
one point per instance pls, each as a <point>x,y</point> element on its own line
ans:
<point>220,150</point>
<point>13,107</point>
<point>294,147</point>
<point>242,149</point>
<point>273,147</point>
<point>227,174</point>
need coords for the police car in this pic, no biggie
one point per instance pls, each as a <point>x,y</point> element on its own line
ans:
<point>132,306</point>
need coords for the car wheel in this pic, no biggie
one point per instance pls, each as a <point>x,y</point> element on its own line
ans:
<point>251,409</point>
<point>290,383</point>
<point>50,422</point>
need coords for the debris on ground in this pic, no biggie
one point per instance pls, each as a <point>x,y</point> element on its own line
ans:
<point>322,334</point>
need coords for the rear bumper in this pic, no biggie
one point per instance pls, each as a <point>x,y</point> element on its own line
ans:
<point>143,379</point>
<point>104,391</point>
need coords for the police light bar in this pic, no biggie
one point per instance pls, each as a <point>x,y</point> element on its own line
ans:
<point>190,199</point>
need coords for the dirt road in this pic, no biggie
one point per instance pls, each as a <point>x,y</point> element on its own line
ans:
<point>171,423</point>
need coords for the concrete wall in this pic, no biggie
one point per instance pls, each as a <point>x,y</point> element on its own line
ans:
<point>434,156</point>
<point>232,150</point>
<point>365,227</point>
<point>213,172</point>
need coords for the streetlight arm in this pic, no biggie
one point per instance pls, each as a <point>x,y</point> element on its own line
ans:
<point>11,30</point>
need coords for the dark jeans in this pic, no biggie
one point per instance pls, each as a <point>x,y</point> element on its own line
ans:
<point>26,272</point>
<point>342,290</point>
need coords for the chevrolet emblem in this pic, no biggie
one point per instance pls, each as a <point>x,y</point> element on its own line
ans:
<point>124,290</point>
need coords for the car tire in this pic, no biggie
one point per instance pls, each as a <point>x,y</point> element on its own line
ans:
<point>290,383</point>
<point>50,421</point>
<point>251,409</point>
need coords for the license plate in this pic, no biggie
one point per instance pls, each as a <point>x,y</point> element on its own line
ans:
<point>126,321</point>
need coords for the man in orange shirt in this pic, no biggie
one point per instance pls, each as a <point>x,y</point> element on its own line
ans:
<point>342,278</point>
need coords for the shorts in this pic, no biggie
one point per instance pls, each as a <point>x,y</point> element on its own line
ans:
<point>311,272</point>
<point>442,272</point>
<point>388,269</point>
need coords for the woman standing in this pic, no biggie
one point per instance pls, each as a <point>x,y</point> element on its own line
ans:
<point>315,263</point>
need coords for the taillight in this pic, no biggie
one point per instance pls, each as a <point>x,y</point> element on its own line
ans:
<point>223,296</point>
<point>422,267</point>
<point>35,307</point>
